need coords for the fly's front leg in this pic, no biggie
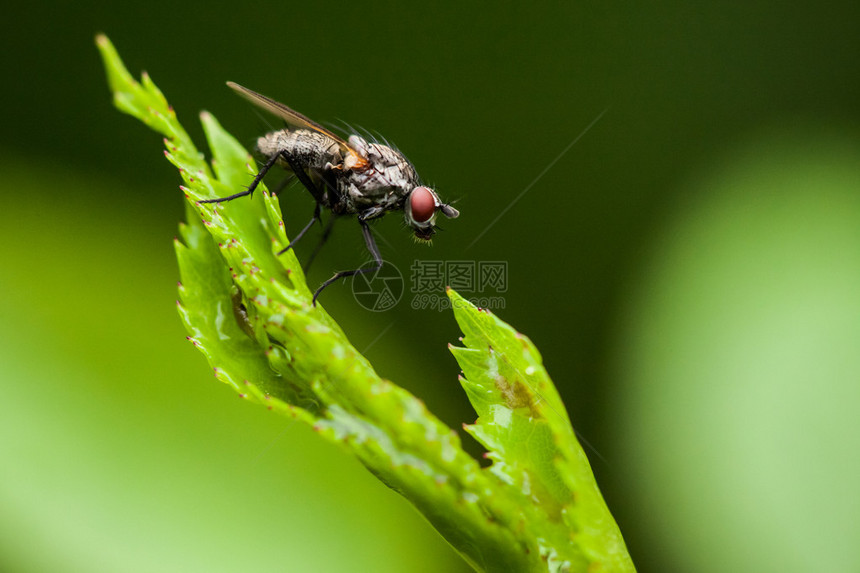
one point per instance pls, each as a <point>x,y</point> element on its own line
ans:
<point>263,170</point>
<point>371,246</point>
<point>371,213</point>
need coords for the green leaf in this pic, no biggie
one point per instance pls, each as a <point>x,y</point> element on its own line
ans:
<point>249,310</point>
<point>525,428</point>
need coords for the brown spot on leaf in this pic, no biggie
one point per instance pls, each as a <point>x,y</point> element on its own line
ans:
<point>516,395</point>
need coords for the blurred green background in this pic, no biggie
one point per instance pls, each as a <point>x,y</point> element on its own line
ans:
<point>690,270</point>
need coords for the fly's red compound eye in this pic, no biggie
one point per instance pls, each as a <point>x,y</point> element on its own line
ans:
<point>422,203</point>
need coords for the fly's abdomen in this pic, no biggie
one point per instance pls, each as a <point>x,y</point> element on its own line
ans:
<point>307,148</point>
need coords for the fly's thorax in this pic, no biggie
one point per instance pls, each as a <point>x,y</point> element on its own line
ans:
<point>308,148</point>
<point>381,155</point>
<point>388,174</point>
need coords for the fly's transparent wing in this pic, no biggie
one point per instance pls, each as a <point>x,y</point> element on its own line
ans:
<point>296,119</point>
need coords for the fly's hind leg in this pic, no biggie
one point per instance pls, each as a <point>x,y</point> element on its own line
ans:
<point>326,234</point>
<point>301,233</point>
<point>317,193</point>
<point>277,189</point>
<point>262,173</point>
<point>302,176</point>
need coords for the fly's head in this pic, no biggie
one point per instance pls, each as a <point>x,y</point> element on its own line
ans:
<point>420,209</point>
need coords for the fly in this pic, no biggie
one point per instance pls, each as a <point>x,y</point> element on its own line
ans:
<point>347,177</point>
